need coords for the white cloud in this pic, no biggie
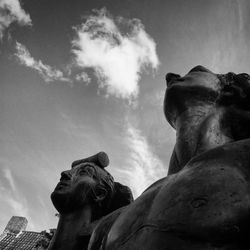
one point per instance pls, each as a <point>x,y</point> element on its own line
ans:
<point>48,73</point>
<point>11,11</point>
<point>142,166</point>
<point>83,77</point>
<point>117,49</point>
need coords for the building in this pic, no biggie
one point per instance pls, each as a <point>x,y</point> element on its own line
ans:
<point>15,236</point>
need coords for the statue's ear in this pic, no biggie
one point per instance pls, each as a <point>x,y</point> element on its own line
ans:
<point>100,194</point>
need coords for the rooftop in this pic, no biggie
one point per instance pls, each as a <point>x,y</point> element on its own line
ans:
<point>15,237</point>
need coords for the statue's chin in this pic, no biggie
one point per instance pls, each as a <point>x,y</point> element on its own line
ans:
<point>65,202</point>
<point>61,202</point>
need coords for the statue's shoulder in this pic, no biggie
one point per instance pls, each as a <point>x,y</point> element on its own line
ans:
<point>131,219</point>
<point>100,232</point>
<point>228,154</point>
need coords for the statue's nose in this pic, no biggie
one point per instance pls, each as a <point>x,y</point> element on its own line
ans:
<point>65,175</point>
<point>171,77</point>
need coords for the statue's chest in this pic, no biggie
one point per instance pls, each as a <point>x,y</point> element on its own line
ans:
<point>206,201</point>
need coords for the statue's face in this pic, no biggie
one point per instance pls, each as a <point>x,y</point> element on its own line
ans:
<point>76,187</point>
<point>199,87</point>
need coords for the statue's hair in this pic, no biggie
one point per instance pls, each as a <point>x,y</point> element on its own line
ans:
<point>106,181</point>
<point>122,196</point>
<point>118,195</point>
<point>235,90</point>
<point>235,95</point>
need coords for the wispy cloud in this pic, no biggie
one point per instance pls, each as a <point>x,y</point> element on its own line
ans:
<point>48,73</point>
<point>8,175</point>
<point>11,197</point>
<point>142,166</point>
<point>117,50</point>
<point>11,11</point>
<point>240,14</point>
<point>139,166</point>
<point>228,40</point>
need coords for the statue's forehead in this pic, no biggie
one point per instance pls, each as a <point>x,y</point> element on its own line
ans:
<point>98,170</point>
<point>84,165</point>
<point>88,163</point>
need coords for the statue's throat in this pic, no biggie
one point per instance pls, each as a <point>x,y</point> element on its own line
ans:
<point>69,234</point>
<point>212,134</point>
<point>198,130</point>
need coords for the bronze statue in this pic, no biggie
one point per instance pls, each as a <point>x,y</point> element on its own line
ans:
<point>83,195</point>
<point>204,202</point>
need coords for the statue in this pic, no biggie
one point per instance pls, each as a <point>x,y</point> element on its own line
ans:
<point>204,201</point>
<point>83,195</point>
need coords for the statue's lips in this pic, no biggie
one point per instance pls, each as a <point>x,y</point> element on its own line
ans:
<point>62,184</point>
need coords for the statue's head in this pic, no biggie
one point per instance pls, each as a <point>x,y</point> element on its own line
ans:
<point>201,87</point>
<point>87,183</point>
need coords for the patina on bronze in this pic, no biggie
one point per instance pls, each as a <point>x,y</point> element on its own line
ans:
<point>204,202</point>
<point>83,195</point>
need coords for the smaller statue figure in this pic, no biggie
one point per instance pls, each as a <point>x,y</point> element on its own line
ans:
<point>83,195</point>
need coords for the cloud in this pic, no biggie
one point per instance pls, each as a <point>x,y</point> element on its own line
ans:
<point>118,50</point>
<point>240,12</point>
<point>142,166</point>
<point>48,73</point>
<point>11,11</point>
<point>12,198</point>
<point>8,175</point>
<point>83,77</point>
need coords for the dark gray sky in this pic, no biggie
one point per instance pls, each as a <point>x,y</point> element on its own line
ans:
<point>76,81</point>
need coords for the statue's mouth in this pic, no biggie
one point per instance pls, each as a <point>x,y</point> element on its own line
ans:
<point>171,83</point>
<point>62,184</point>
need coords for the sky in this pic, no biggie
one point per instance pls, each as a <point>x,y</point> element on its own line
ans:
<point>78,77</point>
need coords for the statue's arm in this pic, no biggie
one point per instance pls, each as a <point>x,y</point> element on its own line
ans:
<point>100,233</point>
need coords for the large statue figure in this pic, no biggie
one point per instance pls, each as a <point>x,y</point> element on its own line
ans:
<point>204,202</point>
<point>85,194</point>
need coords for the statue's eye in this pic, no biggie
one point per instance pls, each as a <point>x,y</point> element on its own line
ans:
<point>87,170</point>
<point>82,172</point>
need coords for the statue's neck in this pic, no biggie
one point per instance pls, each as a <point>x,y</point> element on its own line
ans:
<point>198,130</point>
<point>69,228</point>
